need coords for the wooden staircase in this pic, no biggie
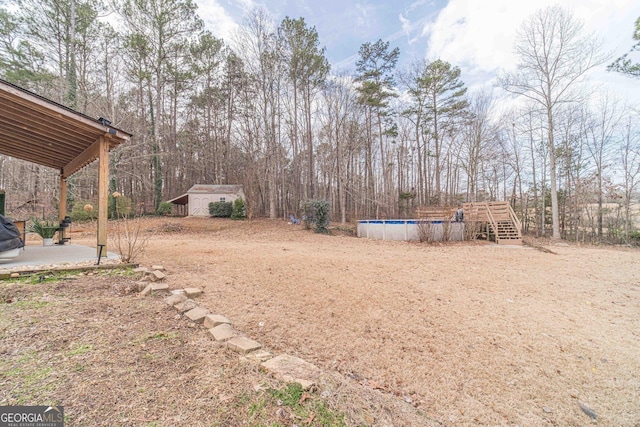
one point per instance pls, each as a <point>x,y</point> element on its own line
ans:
<point>494,221</point>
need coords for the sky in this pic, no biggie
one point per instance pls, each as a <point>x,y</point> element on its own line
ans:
<point>475,35</point>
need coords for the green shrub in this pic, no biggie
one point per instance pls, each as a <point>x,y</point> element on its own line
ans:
<point>239,210</point>
<point>83,212</point>
<point>220,209</point>
<point>165,208</point>
<point>316,212</point>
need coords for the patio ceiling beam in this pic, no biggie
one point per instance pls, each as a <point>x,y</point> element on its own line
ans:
<point>86,157</point>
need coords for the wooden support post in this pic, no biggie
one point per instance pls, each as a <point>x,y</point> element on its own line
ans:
<point>103,195</point>
<point>62,206</point>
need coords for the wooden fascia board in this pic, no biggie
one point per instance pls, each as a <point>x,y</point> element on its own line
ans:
<point>50,109</point>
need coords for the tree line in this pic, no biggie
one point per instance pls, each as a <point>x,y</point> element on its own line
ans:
<point>265,110</point>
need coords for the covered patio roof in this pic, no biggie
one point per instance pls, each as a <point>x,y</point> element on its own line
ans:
<point>41,131</point>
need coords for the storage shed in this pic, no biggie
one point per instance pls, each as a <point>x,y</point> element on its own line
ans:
<point>196,200</point>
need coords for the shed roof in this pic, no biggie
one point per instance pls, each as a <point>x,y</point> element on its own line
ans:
<point>183,199</point>
<point>41,131</point>
<point>215,189</point>
<point>180,200</point>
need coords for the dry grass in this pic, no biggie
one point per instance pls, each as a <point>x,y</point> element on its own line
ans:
<point>89,343</point>
<point>470,334</point>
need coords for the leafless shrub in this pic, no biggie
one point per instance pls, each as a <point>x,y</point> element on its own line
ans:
<point>446,231</point>
<point>129,239</point>
<point>471,230</point>
<point>425,231</point>
<point>429,231</point>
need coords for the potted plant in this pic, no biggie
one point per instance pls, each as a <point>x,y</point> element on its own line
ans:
<point>46,230</point>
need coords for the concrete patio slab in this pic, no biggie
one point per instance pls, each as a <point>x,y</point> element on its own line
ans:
<point>57,255</point>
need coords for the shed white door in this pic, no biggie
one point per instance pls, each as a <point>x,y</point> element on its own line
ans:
<point>199,204</point>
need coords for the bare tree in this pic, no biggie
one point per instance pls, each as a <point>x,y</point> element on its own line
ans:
<point>478,135</point>
<point>554,56</point>
<point>599,135</point>
<point>630,160</point>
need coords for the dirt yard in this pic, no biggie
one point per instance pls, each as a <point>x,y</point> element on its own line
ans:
<point>467,333</point>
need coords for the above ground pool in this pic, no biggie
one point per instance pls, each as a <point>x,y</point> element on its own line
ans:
<point>410,229</point>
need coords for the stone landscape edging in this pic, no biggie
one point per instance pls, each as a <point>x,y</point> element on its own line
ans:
<point>288,368</point>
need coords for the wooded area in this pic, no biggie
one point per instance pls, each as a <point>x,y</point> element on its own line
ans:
<point>265,110</point>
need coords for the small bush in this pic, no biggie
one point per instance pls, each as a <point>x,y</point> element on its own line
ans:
<point>164,209</point>
<point>220,209</point>
<point>239,210</point>
<point>316,212</point>
<point>83,212</point>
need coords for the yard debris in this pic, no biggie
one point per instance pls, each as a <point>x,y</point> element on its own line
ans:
<point>590,412</point>
<point>304,397</point>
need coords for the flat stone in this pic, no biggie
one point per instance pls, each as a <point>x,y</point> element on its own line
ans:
<point>178,292</point>
<point>293,369</point>
<point>175,299</point>
<point>186,305</point>
<point>160,287</point>
<point>260,355</point>
<point>146,291</point>
<point>192,292</point>
<point>140,270</point>
<point>197,314</point>
<point>222,333</point>
<point>243,345</point>
<point>156,275</point>
<point>157,267</point>
<point>213,320</point>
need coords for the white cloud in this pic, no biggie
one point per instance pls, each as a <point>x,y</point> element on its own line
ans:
<point>216,18</point>
<point>478,36</point>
